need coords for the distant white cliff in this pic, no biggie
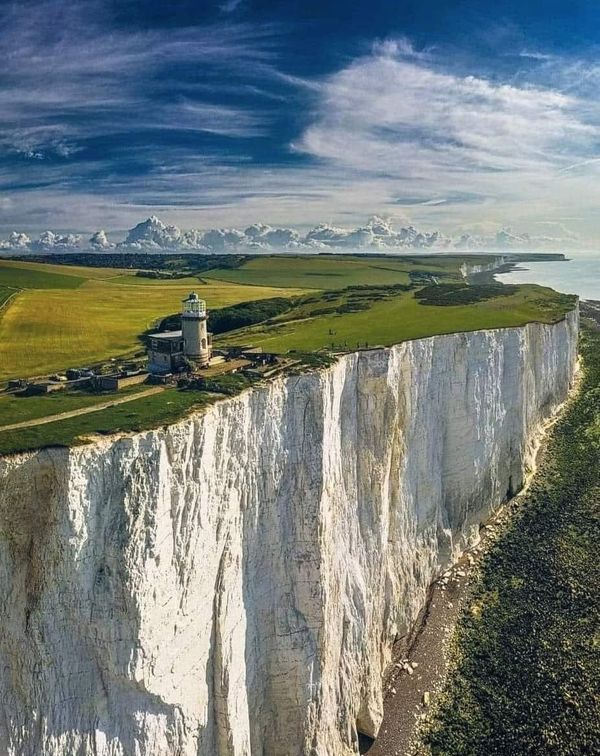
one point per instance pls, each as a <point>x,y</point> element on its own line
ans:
<point>233,584</point>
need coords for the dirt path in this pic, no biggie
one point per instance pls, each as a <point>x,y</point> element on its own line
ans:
<point>81,410</point>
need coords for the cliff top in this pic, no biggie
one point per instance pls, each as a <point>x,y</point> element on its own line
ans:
<point>57,316</point>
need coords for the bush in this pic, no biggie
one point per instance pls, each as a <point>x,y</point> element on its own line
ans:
<point>442,295</point>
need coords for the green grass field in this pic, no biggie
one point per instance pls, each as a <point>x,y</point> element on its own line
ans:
<point>60,316</point>
<point>36,278</point>
<point>5,295</point>
<point>79,271</point>
<point>333,271</point>
<point>17,409</point>
<point>140,414</point>
<point>76,320</point>
<point>399,318</point>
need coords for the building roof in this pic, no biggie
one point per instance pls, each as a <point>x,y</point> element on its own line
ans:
<point>167,335</point>
<point>193,297</point>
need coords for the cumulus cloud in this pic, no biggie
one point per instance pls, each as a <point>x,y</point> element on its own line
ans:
<point>16,241</point>
<point>99,240</point>
<point>48,241</point>
<point>507,238</point>
<point>152,235</point>
<point>378,233</point>
<point>51,242</point>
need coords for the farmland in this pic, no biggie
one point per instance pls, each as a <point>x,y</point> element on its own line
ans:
<point>334,271</point>
<point>58,320</point>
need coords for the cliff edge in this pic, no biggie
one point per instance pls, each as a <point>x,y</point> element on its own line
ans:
<point>233,584</point>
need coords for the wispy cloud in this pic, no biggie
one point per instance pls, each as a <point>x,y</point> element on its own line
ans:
<point>413,124</point>
<point>67,78</point>
<point>413,120</point>
<point>101,121</point>
<point>230,5</point>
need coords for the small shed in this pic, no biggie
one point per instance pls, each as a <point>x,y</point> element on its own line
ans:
<point>118,381</point>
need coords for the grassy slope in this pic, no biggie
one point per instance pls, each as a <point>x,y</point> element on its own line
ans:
<point>402,317</point>
<point>45,330</point>
<point>28,278</point>
<point>528,644</point>
<point>16,409</point>
<point>152,411</point>
<point>332,271</point>
<point>5,294</point>
<point>79,271</point>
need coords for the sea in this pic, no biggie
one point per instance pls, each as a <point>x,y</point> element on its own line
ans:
<point>579,274</point>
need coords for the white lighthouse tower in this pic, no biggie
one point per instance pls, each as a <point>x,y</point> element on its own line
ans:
<point>194,331</point>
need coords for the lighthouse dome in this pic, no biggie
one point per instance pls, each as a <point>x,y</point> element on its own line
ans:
<point>193,306</point>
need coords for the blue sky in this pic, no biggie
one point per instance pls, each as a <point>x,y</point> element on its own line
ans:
<point>462,116</point>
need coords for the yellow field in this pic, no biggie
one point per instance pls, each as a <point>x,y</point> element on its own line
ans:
<point>46,330</point>
<point>66,270</point>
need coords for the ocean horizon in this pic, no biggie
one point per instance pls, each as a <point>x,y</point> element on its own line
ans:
<point>578,274</point>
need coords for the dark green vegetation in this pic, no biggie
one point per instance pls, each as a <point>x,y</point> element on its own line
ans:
<point>447,295</point>
<point>178,264</point>
<point>238,315</point>
<point>248,313</point>
<point>528,643</point>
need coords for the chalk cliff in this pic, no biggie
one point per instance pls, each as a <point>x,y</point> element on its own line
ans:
<point>232,584</point>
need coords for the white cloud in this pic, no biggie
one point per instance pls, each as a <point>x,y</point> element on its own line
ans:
<point>69,77</point>
<point>153,235</point>
<point>99,240</point>
<point>413,121</point>
<point>396,124</point>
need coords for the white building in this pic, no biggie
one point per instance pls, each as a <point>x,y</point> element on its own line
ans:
<point>168,350</point>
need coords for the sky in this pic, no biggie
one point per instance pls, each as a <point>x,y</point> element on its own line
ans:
<point>463,116</point>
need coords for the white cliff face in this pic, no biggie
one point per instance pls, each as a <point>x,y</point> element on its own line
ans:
<point>469,269</point>
<point>233,584</point>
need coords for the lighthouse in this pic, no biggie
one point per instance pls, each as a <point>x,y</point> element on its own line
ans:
<point>196,339</point>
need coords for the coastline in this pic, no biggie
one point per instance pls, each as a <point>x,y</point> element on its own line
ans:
<point>487,277</point>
